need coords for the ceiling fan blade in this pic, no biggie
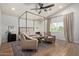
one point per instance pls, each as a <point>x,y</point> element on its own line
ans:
<point>41,5</point>
<point>49,6</point>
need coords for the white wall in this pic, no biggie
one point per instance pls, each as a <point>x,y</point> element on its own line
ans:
<point>75,9</point>
<point>0,28</point>
<point>8,21</point>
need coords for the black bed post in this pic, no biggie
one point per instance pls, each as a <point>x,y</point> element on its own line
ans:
<point>44,26</point>
<point>18,27</point>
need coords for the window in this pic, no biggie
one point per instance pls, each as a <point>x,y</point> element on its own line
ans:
<point>56,24</point>
<point>57,27</point>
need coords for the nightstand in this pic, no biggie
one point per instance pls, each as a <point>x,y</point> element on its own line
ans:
<point>11,37</point>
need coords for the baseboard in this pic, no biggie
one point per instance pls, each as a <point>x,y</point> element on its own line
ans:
<point>76,42</point>
<point>66,41</point>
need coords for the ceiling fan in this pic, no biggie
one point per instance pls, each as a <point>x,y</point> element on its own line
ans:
<point>40,7</point>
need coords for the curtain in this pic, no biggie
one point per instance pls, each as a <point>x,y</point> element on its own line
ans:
<point>48,26</point>
<point>68,27</point>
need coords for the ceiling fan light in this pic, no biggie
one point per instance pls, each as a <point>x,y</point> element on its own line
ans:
<point>13,9</point>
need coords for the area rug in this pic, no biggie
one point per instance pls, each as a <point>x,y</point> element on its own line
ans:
<point>17,50</point>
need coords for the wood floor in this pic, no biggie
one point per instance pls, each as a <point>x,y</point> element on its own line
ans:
<point>6,50</point>
<point>61,48</point>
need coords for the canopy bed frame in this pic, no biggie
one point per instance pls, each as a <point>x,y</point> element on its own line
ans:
<point>26,19</point>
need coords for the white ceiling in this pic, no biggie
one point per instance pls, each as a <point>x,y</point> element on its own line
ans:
<point>21,7</point>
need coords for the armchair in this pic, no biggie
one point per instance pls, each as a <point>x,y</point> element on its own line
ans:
<point>50,38</point>
<point>28,42</point>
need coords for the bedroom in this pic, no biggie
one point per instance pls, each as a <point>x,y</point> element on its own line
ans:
<point>52,23</point>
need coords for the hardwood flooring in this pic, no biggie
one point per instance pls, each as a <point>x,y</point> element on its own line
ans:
<point>61,48</point>
<point>6,50</point>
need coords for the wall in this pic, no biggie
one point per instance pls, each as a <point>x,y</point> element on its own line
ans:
<point>8,21</point>
<point>0,28</point>
<point>75,9</point>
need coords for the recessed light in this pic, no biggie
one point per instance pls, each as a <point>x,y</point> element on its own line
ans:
<point>13,9</point>
<point>60,7</point>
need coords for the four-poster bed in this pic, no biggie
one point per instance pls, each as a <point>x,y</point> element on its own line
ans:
<point>25,16</point>
<point>29,26</point>
<point>27,41</point>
